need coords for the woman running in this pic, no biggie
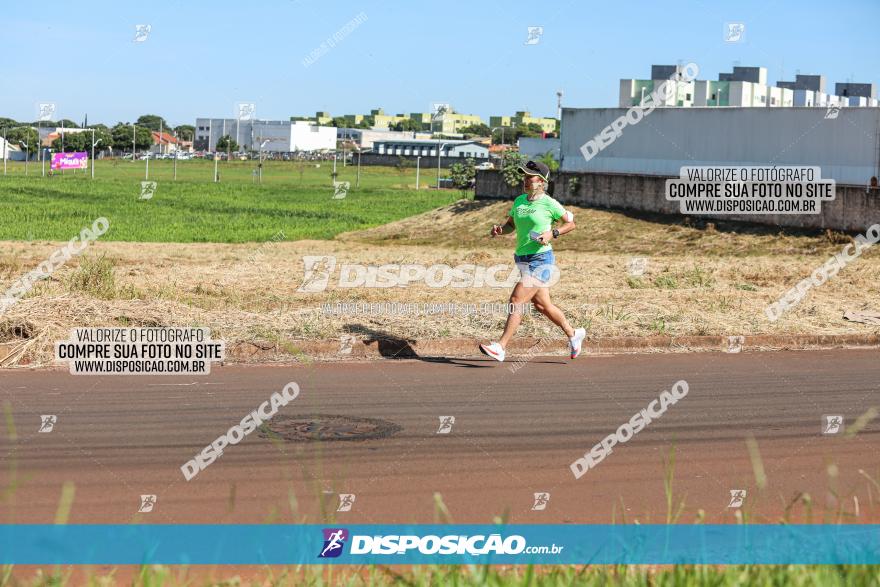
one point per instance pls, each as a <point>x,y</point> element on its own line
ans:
<point>532,216</point>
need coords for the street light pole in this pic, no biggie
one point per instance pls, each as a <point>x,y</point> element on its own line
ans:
<point>27,152</point>
<point>5,150</point>
<point>439,147</point>
<point>93,153</point>
<point>358,182</point>
<point>262,144</point>
<point>42,153</point>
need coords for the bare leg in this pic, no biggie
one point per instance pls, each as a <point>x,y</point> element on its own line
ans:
<point>543,304</point>
<point>520,296</point>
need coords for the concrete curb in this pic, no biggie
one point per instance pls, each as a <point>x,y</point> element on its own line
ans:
<point>521,348</point>
<point>375,348</point>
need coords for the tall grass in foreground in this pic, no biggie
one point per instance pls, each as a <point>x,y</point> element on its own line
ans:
<point>684,575</point>
<point>465,575</point>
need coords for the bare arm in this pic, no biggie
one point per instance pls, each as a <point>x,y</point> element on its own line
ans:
<point>567,226</point>
<point>508,226</point>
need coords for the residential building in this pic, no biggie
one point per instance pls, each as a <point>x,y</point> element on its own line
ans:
<point>320,118</point>
<point>814,83</point>
<point>752,75</point>
<point>451,122</point>
<point>378,119</point>
<point>634,91</point>
<point>744,87</point>
<point>163,143</point>
<point>850,89</point>
<point>523,117</point>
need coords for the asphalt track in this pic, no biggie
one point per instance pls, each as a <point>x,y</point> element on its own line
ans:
<point>515,434</point>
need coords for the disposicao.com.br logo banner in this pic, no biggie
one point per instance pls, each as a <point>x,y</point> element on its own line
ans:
<point>211,544</point>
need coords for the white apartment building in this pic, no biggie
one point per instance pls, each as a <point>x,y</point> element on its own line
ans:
<point>746,87</point>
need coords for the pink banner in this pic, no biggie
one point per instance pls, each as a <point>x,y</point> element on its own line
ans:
<point>70,160</point>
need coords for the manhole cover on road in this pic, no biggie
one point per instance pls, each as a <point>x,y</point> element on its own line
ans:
<point>307,427</point>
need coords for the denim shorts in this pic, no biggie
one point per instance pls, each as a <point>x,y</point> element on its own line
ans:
<point>539,266</point>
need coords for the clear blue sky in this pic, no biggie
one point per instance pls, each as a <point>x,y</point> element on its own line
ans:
<point>202,57</point>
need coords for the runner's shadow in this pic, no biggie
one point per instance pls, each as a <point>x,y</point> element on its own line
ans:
<point>394,347</point>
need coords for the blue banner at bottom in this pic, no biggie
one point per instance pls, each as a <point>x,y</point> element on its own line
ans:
<point>213,544</point>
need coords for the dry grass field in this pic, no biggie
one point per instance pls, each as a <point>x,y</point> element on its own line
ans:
<point>700,279</point>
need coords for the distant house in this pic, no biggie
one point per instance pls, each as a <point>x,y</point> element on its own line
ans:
<point>164,143</point>
<point>48,135</point>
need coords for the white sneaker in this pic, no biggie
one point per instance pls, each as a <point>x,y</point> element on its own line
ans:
<point>494,350</point>
<point>575,342</point>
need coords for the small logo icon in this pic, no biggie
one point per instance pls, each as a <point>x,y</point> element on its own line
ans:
<point>346,500</point>
<point>141,32</point>
<point>340,189</point>
<point>832,112</point>
<point>832,424</point>
<point>439,110</point>
<point>737,497</point>
<point>735,344</point>
<point>148,188</point>
<point>446,423</point>
<point>246,110</point>
<point>734,32</point>
<point>47,423</point>
<point>317,273</point>
<point>535,33</point>
<point>346,342</point>
<point>541,501</point>
<point>46,111</point>
<point>334,541</point>
<point>636,266</point>
<point>147,503</point>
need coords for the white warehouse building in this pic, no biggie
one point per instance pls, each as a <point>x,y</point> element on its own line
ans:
<point>280,136</point>
<point>845,147</point>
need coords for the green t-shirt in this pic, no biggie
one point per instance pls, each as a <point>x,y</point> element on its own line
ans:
<point>539,216</point>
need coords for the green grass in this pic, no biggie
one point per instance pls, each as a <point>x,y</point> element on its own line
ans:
<point>296,199</point>
<point>440,576</point>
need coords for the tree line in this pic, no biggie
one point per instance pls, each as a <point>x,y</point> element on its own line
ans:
<point>120,137</point>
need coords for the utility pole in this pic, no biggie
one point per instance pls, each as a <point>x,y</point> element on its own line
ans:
<point>439,147</point>
<point>42,152</point>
